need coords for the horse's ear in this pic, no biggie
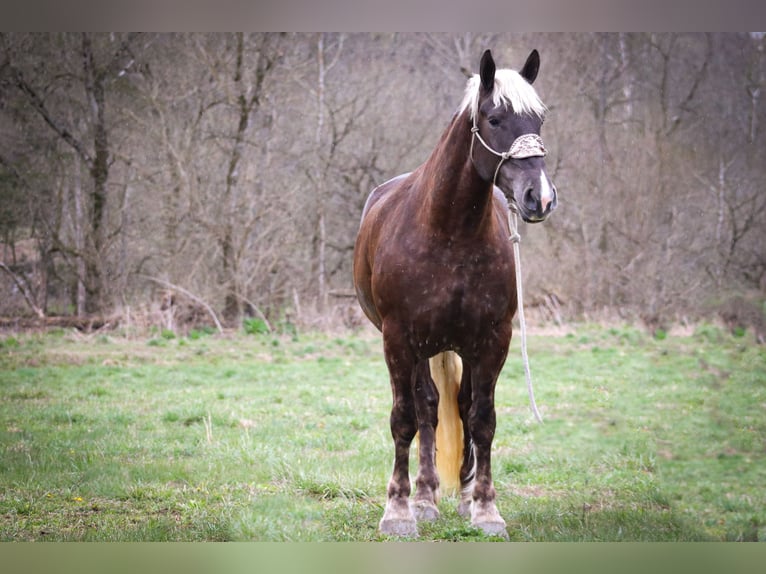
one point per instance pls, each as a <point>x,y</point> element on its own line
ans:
<point>487,72</point>
<point>531,67</point>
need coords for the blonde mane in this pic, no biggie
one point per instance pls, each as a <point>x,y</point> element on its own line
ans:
<point>511,89</point>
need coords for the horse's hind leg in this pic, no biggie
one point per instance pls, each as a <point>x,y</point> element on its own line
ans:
<point>426,398</point>
<point>398,519</point>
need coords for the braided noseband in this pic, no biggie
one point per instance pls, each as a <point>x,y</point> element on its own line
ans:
<point>524,146</point>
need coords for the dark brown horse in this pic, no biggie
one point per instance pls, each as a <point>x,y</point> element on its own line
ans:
<point>434,271</point>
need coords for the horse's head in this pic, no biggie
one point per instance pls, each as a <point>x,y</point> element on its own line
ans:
<point>506,148</point>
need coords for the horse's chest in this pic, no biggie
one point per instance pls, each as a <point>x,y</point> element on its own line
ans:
<point>453,286</point>
<point>467,291</point>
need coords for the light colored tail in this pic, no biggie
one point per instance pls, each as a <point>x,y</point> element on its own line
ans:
<point>447,372</point>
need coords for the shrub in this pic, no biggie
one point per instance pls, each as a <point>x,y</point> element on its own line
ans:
<point>10,343</point>
<point>254,326</point>
<point>740,312</point>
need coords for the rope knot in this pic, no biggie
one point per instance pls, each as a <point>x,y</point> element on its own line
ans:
<point>515,237</point>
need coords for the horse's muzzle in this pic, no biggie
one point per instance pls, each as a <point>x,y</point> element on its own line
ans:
<point>537,204</point>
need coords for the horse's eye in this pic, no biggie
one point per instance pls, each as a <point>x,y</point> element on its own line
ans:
<point>493,121</point>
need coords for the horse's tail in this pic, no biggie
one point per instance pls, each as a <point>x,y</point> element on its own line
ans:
<point>447,372</point>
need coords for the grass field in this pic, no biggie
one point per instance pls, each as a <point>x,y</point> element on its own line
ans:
<point>262,437</point>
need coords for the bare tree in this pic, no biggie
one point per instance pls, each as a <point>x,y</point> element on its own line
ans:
<point>89,138</point>
<point>236,166</point>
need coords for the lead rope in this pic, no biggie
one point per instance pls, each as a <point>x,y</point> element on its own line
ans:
<point>515,238</point>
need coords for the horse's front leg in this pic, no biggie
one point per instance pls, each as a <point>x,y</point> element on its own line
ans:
<point>481,421</point>
<point>426,398</point>
<point>468,467</point>
<point>398,519</point>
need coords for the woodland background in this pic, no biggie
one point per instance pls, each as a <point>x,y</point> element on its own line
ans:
<point>201,175</point>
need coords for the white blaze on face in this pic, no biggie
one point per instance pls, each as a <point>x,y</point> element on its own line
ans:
<point>546,191</point>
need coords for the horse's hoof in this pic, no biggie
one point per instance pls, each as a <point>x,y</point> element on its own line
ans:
<point>464,508</point>
<point>485,517</point>
<point>398,519</point>
<point>492,529</point>
<point>425,511</point>
<point>399,527</point>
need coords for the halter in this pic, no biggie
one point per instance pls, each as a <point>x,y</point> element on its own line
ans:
<point>524,146</point>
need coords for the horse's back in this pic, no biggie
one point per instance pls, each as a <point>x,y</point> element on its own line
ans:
<point>381,192</point>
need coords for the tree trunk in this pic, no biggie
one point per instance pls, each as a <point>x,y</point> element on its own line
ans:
<point>79,237</point>
<point>97,300</point>
<point>232,311</point>
<point>320,179</point>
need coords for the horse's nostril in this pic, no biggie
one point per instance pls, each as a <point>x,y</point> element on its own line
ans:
<point>554,200</point>
<point>530,201</point>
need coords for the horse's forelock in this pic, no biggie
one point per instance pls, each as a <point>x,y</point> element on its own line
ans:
<point>510,89</point>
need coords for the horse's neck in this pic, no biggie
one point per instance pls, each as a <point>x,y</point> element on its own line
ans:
<point>458,201</point>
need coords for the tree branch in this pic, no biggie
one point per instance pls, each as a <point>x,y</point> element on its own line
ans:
<point>191,296</point>
<point>39,105</point>
<point>24,290</point>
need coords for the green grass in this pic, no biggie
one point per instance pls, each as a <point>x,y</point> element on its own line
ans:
<point>266,437</point>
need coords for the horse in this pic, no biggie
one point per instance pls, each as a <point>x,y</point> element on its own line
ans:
<point>433,271</point>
